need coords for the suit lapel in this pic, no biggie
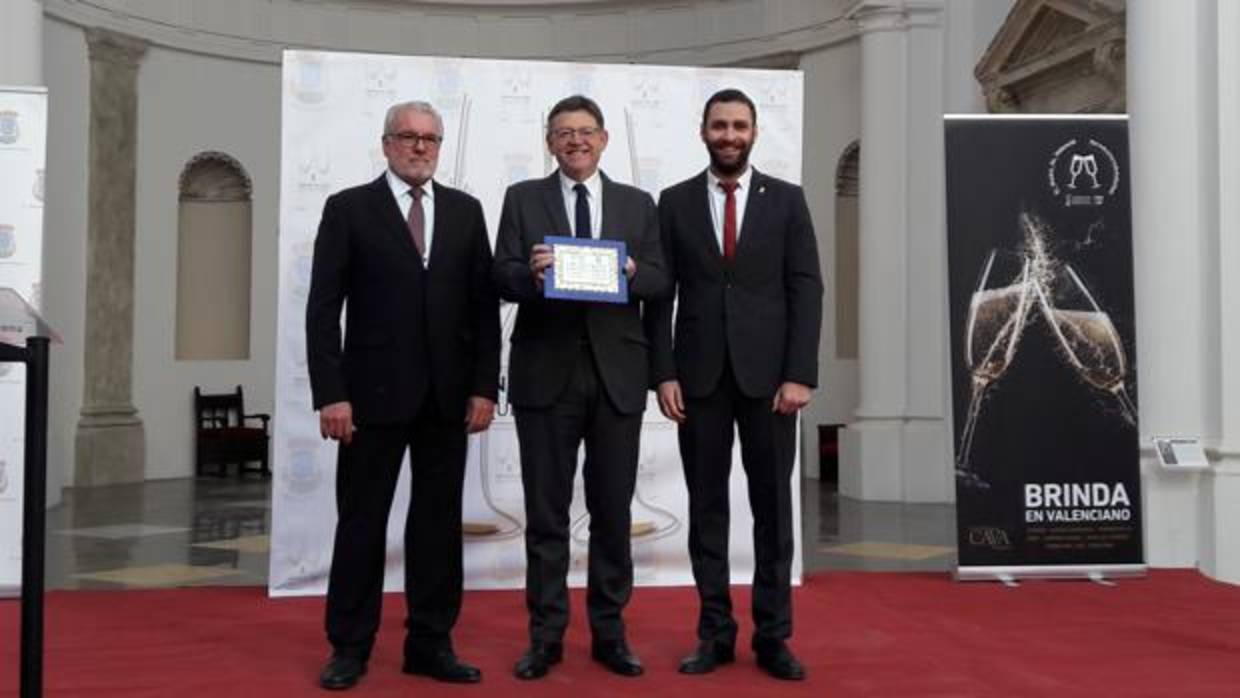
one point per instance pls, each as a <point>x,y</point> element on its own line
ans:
<point>445,221</point>
<point>701,221</point>
<point>611,227</point>
<point>553,199</point>
<point>755,210</point>
<point>389,213</point>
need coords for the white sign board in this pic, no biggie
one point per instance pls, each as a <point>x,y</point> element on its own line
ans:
<point>23,140</point>
<point>494,111</point>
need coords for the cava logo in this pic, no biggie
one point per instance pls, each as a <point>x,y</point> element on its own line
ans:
<point>10,132</point>
<point>8,241</point>
<point>1083,173</point>
<point>988,537</point>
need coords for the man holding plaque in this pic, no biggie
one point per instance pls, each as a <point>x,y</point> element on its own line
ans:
<point>578,372</point>
<point>740,249</point>
<point>418,370</point>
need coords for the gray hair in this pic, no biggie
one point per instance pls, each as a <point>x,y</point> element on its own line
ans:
<point>394,112</point>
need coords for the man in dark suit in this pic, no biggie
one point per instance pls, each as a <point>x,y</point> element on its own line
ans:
<point>577,372</point>
<point>418,370</point>
<point>740,248</point>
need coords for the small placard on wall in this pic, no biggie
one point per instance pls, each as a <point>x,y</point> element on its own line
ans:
<point>1180,453</point>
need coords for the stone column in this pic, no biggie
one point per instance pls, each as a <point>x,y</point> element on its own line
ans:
<point>21,43</point>
<point>896,450</point>
<point>1173,135</point>
<point>110,440</point>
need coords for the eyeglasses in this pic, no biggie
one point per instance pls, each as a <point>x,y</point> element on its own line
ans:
<point>409,139</point>
<point>563,134</point>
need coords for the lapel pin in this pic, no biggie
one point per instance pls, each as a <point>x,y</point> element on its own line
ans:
<point>762,189</point>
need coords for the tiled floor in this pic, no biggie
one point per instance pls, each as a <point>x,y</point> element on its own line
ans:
<point>214,531</point>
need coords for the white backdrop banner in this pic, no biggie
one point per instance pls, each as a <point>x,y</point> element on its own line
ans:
<point>494,111</point>
<point>23,140</point>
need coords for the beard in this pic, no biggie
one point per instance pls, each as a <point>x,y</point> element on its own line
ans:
<point>729,168</point>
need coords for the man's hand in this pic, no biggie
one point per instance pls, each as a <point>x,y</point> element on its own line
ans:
<point>630,268</point>
<point>478,414</point>
<point>791,398</point>
<point>336,422</point>
<point>671,401</point>
<point>540,258</point>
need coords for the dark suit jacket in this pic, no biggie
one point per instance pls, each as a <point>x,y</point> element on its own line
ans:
<point>547,334</point>
<point>763,314</point>
<point>408,327</point>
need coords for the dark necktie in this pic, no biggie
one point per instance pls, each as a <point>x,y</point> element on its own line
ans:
<point>729,220</point>
<point>417,222</point>
<point>582,227</point>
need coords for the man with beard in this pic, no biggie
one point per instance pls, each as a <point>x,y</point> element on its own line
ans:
<point>578,373</point>
<point>418,370</point>
<point>740,248</point>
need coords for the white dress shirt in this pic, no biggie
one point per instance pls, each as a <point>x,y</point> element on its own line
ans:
<point>719,198</point>
<point>594,189</point>
<point>404,199</point>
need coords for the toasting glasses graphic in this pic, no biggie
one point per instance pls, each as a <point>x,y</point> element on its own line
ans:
<point>993,328</point>
<point>998,312</point>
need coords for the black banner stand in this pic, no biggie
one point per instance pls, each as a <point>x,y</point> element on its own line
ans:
<point>34,506</point>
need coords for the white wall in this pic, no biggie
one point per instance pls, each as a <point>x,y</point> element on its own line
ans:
<point>970,25</point>
<point>832,122</point>
<point>189,103</point>
<point>64,237</point>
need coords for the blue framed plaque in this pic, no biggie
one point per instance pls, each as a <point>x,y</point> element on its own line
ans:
<point>587,270</point>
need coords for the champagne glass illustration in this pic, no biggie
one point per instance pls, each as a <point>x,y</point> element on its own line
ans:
<point>1087,337</point>
<point>495,461</point>
<point>996,320</point>
<point>649,521</point>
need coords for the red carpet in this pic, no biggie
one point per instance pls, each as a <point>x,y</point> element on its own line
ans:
<point>859,634</point>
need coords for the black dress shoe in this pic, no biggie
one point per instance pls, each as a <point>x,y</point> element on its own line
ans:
<point>706,657</point>
<point>342,672</point>
<point>616,656</point>
<point>538,660</point>
<point>777,660</point>
<point>442,666</point>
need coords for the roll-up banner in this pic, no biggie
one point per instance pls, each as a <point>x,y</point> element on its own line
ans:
<point>23,140</point>
<point>1043,339</point>
<point>494,111</point>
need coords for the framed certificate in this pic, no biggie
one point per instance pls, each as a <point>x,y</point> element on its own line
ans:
<point>587,270</point>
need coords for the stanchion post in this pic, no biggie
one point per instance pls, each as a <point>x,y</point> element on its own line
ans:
<point>34,505</point>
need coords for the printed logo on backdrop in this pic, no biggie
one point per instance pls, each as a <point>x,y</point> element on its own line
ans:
<point>381,82</point>
<point>310,80</point>
<point>8,241</point>
<point>304,475</point>
<point>4,478</point>
<point>299,267</point>
<point>39,183</point>
<point>313,170</point>
<point>1082,173</point>
<point>581,79</point>
<point>10,130</point>
<point>643,115</point>
<point>516,97</point>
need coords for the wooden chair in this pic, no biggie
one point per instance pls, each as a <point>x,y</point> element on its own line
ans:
<point>225,434</point>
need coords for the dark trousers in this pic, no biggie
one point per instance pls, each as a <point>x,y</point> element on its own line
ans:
<point>366,474</point>
<point>768,443</point>
<point>550,439</point>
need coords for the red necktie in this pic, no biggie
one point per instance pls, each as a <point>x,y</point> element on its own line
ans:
<point>729,220</point>
<point>417,222</point>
